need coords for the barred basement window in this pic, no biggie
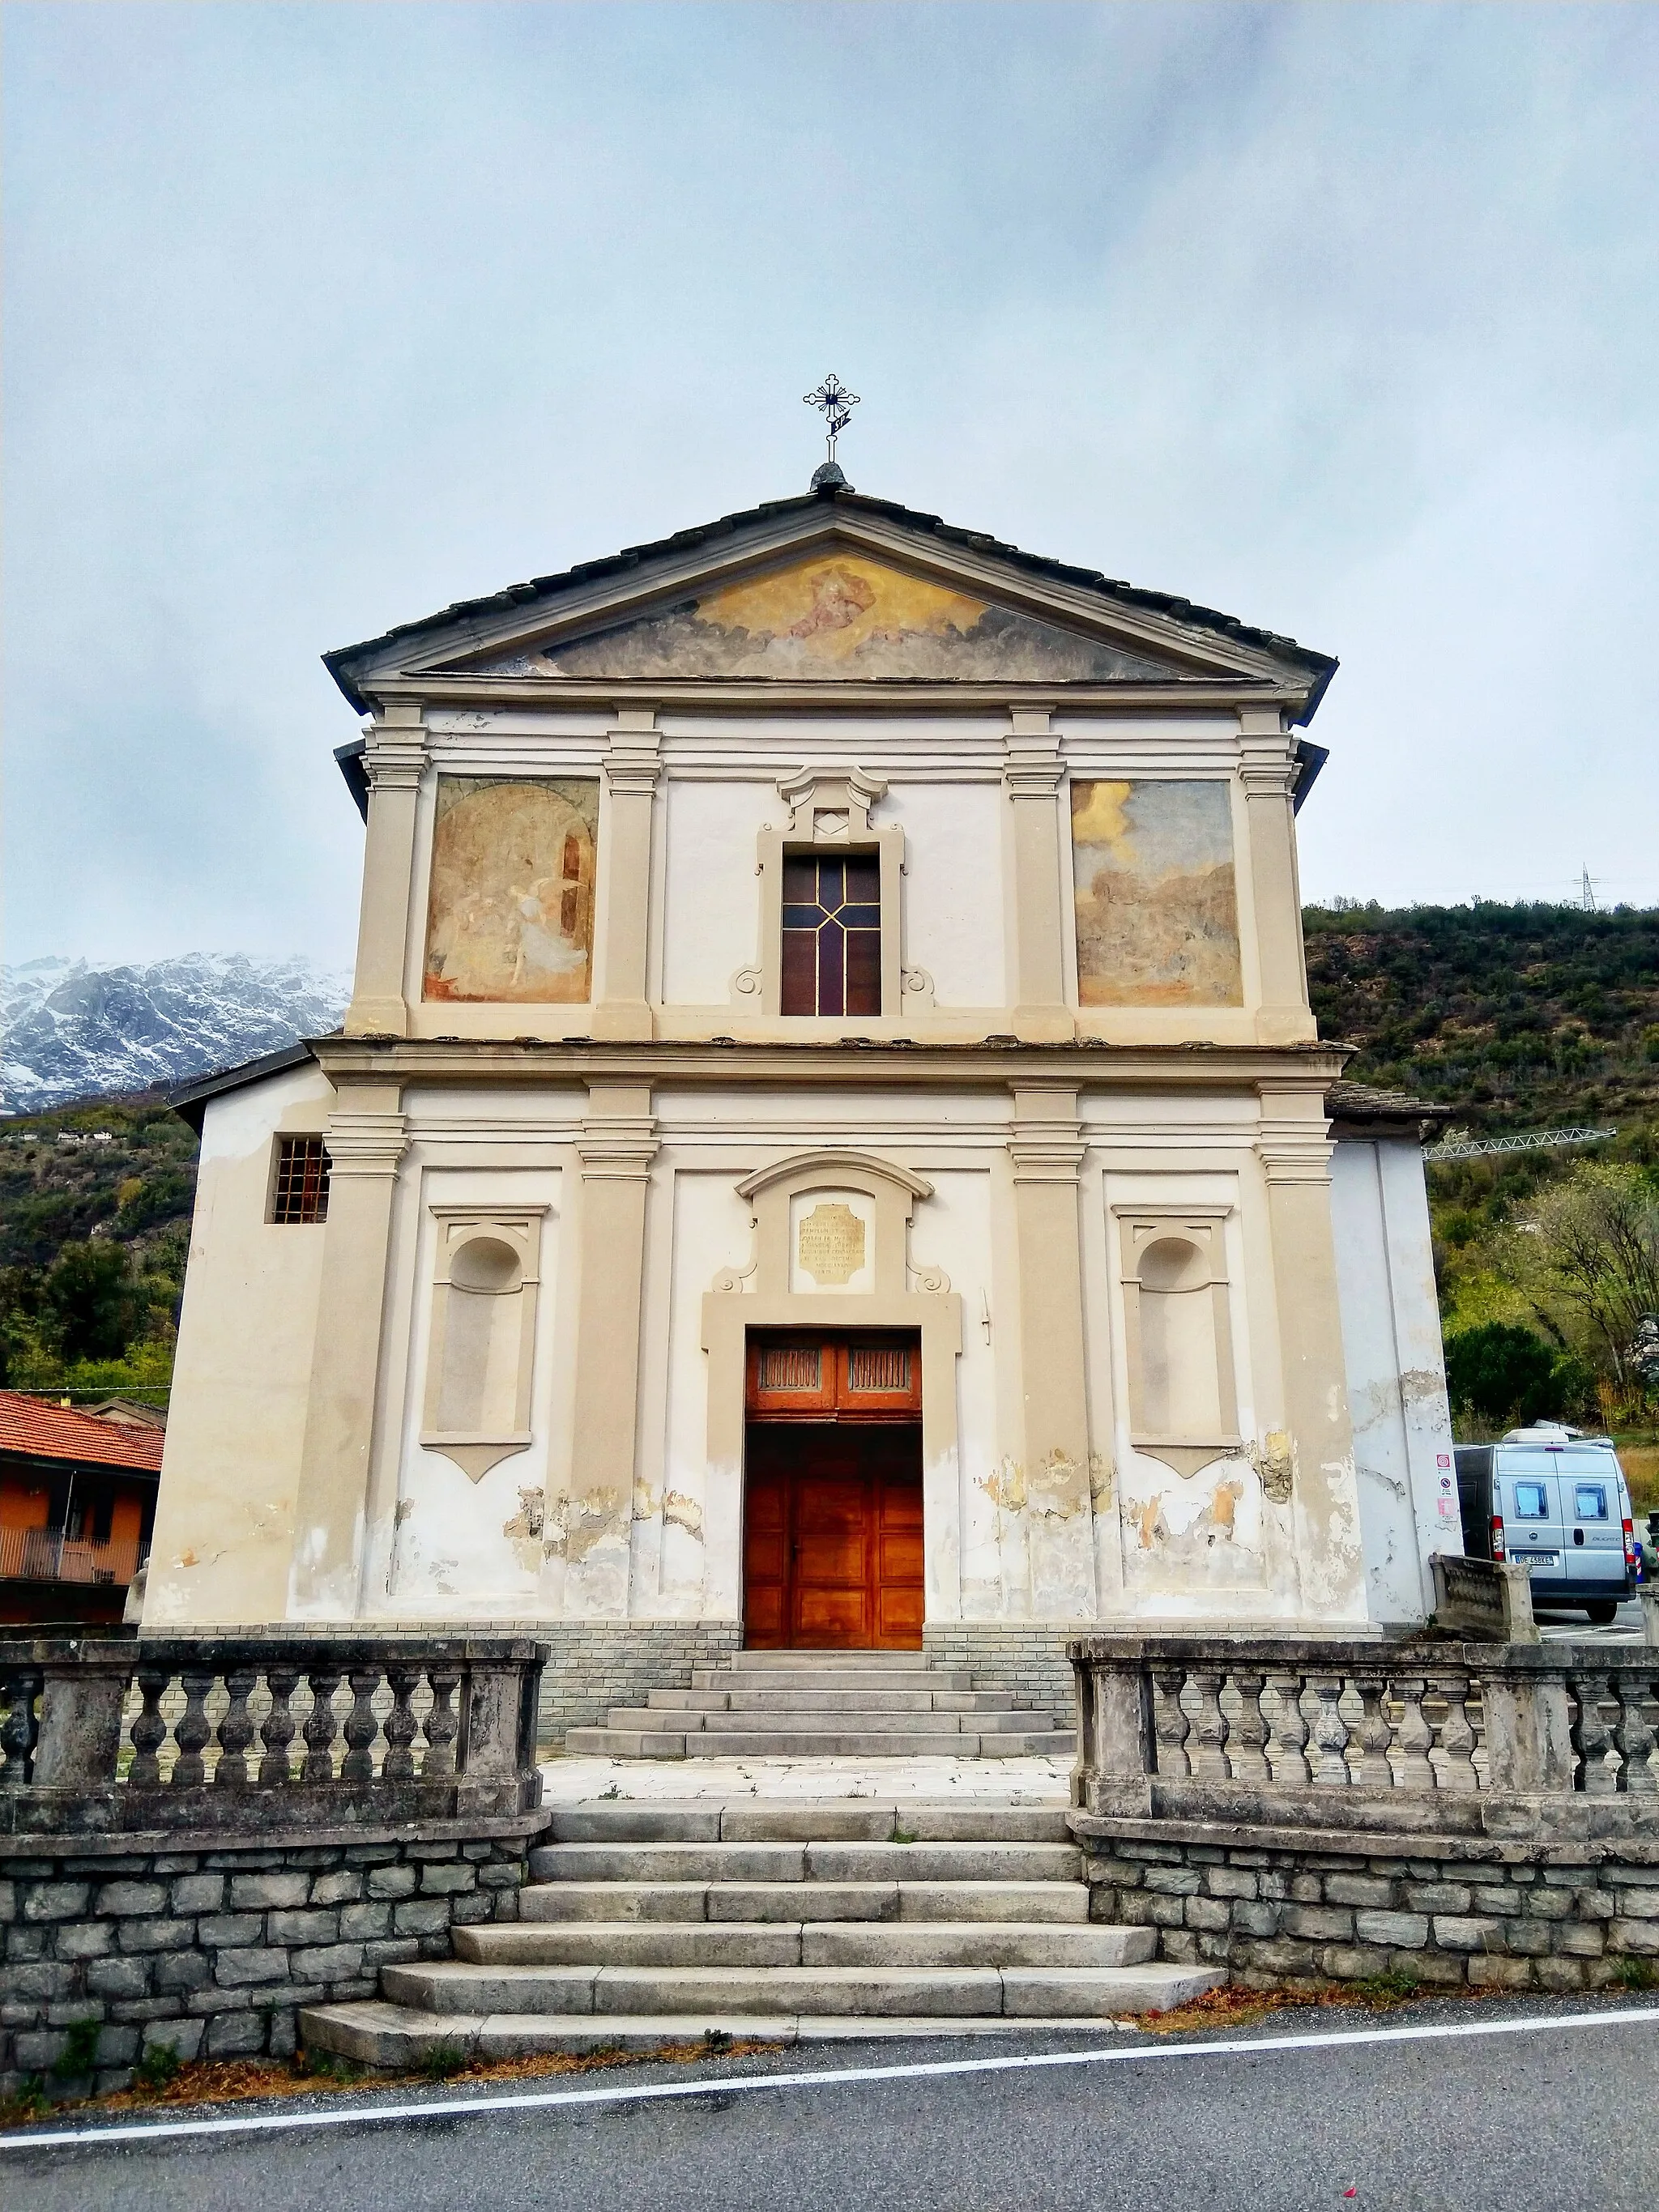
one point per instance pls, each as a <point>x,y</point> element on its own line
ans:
<point>302,1186</point>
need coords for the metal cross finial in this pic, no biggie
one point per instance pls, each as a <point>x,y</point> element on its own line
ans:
<point>837,403</point>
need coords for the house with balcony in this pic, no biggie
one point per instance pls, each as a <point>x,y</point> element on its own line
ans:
<point>77,1503</point>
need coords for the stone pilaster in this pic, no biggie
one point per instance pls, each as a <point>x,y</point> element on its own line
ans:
<point>1046,1150</point>
<point>632,766</point>
<point>1034,776</point>
<point>1294,1147</point>
<point>616,1148</point>
<point>1269,771</point>
<point>395,760</point>
<point>366,1140</point>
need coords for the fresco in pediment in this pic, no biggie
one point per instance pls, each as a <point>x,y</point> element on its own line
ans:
<point>510,914</point>
<point>838,617</point>
<point>1156,904</point>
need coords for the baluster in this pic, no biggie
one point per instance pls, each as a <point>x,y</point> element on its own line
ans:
<point>277,1731</point>
<point>1210,1757</point>
<point>443,1722</point>
<point>1633,1738</point>
<point>1589,1735</point>
<point>193,1730</point>
<point>19,1731</point>
<point>361,1727</point>
<point>319,1727</point>
<point>1330,1732</point>
<point>1247,1740</point>
<point>149,1730</point>
<point>1287,1747</point>
<point>398,1764</point>
<point>236,1729</point>
<point>1373,1733</point>
<point>1456,1735</point>
<point>1414,1736</point>
<point>1170,1725</point>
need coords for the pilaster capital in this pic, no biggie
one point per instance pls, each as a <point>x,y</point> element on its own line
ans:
<point>1266,753</point>
<point>633,759</point>
<point>619,1137</point>
<point>1032,764</point>
<point>365,1144</point>
<point>1293,1137</point>
<point>618,1149</point>
<point>1045,1137</point>
<point>394,748</point>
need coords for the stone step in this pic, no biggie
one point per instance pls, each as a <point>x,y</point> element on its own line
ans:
<point>454,1986</point>
<point>373,2032</point>
<point>864,1743</point>
<point>790,1862</point>
<point>833,1677</point>
<point>1058,1903</point>
<point>797,1944</point>
<point>816,1720</point>
<point>787,1699</point>
<point>806,1820</point>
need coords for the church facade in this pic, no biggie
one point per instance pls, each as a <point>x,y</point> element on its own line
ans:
<point>828,1145</point>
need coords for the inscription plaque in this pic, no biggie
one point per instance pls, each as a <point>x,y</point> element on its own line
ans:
<point>831,1244</point>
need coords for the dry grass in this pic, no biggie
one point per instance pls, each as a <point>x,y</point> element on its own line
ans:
<point>1233,2007</point>
<point>1641,1466</point>
<point>239,2081</point>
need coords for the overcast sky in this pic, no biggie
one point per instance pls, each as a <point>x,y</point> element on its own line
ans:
<point>1341,319</point>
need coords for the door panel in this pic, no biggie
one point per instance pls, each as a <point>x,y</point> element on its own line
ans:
<point>833,1537</point>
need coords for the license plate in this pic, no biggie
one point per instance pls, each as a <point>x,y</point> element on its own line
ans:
<point>1536,1559</point>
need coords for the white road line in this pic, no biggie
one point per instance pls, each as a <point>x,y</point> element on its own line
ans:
<point>730,2085</point>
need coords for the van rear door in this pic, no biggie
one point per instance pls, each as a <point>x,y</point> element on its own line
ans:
<point>1530,1480</point>
<point>1594,1507</point>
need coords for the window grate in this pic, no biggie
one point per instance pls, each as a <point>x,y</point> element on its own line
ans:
<point>791,1367</point>
<point>301,1193</point>
<point>879,1367</point>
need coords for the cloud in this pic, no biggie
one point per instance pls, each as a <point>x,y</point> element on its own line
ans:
<point>320,318</point>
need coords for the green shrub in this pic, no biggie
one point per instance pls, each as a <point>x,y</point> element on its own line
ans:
<point>1501,1372</point>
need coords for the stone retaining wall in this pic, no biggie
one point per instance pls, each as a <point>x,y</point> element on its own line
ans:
<point>1280,1910</point>
<point>212,1947</point>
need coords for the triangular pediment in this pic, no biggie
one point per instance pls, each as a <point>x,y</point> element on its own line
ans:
<point>830,590</point>
<point>835,617</point>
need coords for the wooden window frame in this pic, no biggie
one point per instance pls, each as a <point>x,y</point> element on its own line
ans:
<point>828,818</point>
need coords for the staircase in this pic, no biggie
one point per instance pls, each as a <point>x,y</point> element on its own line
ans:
<point>651,1924</point>
<point>800,1705</point>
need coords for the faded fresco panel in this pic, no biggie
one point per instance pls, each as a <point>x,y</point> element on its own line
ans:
<point>837,617</point>
<point>1157,906</point>
<point>511,912</point>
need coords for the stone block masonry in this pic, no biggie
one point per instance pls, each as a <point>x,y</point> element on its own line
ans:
<point>1028,1659</point>
<point>1284,1909</point>
<point>593,1665</point>
<point>212,1947</point>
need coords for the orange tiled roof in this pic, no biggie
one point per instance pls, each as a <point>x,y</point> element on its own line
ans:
<point>47,1432</point>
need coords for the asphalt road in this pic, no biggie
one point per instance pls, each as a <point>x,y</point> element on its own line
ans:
<point>1563,2114</point>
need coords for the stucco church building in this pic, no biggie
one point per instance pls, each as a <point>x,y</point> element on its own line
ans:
<point>829,1146</point>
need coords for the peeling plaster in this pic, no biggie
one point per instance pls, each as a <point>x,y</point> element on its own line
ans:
<point>680,1511</point>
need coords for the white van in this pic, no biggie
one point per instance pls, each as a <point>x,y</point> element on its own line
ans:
<point>1556,1503</point>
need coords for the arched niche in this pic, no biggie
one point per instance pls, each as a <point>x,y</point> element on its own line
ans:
<point>480,1349</point>
<point>1178,1342</point>
<point>831,1250</point>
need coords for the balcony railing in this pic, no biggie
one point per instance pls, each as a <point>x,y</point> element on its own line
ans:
<point>47,1555</point>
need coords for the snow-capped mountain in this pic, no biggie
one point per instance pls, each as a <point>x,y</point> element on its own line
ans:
<point>71,1031</point>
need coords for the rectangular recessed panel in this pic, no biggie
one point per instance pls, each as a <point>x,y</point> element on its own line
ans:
<point>879,1367</point>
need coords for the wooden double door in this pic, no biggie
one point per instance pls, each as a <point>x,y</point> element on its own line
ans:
<point>833,1536</point>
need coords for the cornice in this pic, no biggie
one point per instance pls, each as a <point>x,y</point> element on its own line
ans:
<point>1308,1068</point>
<point>891,695</point>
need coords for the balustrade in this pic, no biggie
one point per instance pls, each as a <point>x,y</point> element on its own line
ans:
<point>178,1723</point>
<point>1286,1715</point>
